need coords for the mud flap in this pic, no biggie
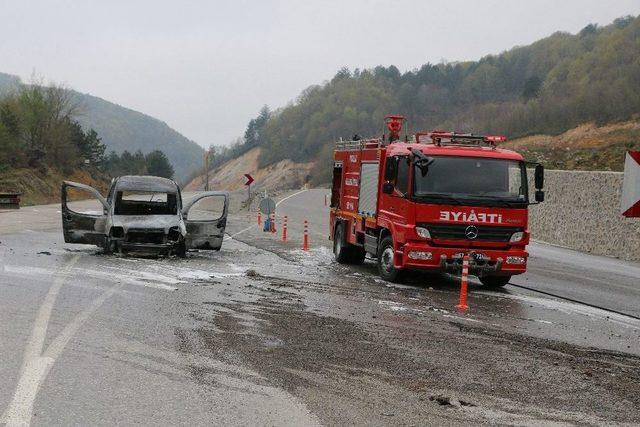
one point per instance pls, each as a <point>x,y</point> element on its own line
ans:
<point>205,217</point>
<point>83,227</point>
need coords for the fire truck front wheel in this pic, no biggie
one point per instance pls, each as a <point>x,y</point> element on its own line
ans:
<point>385,261</point>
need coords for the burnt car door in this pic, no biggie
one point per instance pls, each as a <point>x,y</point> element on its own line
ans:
<point>84,214</point>
<point>205,218</point>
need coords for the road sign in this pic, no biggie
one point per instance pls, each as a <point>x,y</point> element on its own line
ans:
<point>267,206</point>
<point>630,199</point>
<point>249,179</point>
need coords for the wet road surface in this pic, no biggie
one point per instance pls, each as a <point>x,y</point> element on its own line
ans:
<point>264,333</point>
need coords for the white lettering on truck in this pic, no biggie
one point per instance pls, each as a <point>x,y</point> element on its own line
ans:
<point>470,217</point>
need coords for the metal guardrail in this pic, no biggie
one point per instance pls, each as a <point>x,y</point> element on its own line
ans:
<point>10,200</point>
<point>358,144</point>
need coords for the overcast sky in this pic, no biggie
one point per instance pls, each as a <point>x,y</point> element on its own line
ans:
<point>206,67</point>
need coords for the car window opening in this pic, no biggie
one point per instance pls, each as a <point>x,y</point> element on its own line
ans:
<point>145,203</point>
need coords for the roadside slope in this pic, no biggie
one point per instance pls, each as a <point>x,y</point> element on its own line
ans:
<point>282,175</point>
<point>43,187</point>
<point>585,147</point>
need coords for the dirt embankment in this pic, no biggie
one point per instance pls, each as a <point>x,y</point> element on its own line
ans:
<point>586,147</point>
<point>285,174</point>
<point>43,187</point>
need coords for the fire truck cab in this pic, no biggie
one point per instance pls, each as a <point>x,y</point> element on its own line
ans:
<point>425,202</point>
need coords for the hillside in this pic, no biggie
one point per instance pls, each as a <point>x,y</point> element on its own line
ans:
<point>230,176</point>
<point>586,147</point>
<point>41,187</point>
<point>124,129</point>
<point>553,85</point>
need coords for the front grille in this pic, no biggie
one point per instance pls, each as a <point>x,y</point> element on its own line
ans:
<point>486,233</point>
<point>154,236</point>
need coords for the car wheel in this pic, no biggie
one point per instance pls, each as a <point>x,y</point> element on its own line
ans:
<point>340,247</point>
<point>495,281</point>
<point>181,250</point>
<point>107,246</point>
<point>385,261</point>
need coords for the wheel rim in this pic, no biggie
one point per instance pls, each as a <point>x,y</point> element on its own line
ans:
<point>386,259</point>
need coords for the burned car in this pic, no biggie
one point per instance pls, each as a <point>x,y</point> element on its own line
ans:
<point>143,214</point>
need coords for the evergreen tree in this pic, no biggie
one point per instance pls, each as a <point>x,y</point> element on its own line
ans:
<point>158,164</point>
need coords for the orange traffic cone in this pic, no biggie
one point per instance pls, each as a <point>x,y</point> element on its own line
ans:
<point>305,241</point>
<point>284,229</point>
<point>462,305</point>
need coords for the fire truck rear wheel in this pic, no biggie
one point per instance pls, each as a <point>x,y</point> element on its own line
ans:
<point>340,247</point>
<point>495,281</point>
<point>385,261</point>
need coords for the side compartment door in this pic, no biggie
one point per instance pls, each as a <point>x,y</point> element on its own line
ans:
<point>205,217</point>
<point>84,214</point>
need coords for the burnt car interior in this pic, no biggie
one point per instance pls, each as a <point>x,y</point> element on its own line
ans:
<point>145,203</point>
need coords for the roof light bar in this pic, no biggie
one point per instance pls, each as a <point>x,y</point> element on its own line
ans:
<point>439,137</point>
<point>495,138</point>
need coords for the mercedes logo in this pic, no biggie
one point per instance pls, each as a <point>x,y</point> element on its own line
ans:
<point>471,232</point>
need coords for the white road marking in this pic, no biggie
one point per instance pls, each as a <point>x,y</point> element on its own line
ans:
<point>57,346</point>
<point>147,280</point>
<point>290,196</point>
<point>34,366</point>
<point>242,231</point>
<point>27,270</point>
<point>277,203</point>
<point>37,363</point>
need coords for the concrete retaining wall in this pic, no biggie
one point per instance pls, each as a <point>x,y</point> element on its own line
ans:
<point>582,211</point>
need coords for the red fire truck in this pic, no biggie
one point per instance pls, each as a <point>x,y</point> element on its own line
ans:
<point>425,202</point>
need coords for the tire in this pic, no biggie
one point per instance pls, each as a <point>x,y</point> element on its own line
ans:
<point>495,282</point>
<point>107,246</point>
<point>181,250</point>
<point>386,254</point>
<point>340,246</point>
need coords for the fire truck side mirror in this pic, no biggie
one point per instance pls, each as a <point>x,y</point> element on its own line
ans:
<point>539,196</point>
<point>539,178</point>
<point>387,188</point>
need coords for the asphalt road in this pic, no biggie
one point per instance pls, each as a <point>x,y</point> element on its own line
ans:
<point>264,333</point>
<point>600,281</point>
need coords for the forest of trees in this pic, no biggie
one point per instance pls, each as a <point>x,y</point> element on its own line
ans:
<point>39,130</point>
<point>547,87</point>
<point>155,163</point>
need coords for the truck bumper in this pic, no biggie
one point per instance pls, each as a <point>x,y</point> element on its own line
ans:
<point>482,262</point>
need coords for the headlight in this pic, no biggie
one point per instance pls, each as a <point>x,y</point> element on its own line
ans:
<point>423,232</point>
<point>516,237</point>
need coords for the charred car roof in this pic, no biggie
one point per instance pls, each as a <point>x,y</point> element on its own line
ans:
<point>145,183</point>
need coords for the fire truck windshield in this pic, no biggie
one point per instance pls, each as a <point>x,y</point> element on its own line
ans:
<point>472,181</point>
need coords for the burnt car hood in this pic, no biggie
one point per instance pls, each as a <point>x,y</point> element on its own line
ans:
<point>149,222</point>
